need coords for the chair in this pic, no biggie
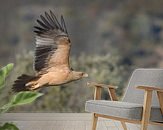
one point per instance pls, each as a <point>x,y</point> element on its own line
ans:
<point>142,103</point>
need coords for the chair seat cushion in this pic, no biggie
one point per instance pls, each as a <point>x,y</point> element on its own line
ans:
<point>131,111</point>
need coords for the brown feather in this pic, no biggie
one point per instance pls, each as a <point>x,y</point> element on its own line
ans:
<point>20,83</point>
<point>52,43</point>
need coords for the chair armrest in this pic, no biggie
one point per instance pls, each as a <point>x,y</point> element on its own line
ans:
<point>94,84</point>
<point>149,88</point>
<point>97,95</point>
<point>148,97</point>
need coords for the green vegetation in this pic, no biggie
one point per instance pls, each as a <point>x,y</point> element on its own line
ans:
<point>8,126</point>
<point>18,99</point>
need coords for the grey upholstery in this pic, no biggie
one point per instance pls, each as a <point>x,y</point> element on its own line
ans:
<point>120,109</point>
<point>132,103</point>
<point>146,77</point>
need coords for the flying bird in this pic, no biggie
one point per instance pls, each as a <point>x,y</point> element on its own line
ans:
<point>51,63</point>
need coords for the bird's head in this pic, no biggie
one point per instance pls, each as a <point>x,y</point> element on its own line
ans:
<point>79,75</point>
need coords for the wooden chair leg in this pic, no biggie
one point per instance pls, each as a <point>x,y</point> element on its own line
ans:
<point>124,125</point>
<point>160,98</point>
<point>146,110</point>
<point>94,122</point>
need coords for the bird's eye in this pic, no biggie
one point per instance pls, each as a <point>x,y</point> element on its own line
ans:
<point>69,40</point>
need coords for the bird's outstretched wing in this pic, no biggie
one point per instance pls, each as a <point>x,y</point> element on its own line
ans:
<point>52,43</point>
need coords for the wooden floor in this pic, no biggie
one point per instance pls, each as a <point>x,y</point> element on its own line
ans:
<point>57,121</point>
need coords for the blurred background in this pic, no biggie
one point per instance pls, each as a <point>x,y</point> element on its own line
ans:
<point>110,38</point>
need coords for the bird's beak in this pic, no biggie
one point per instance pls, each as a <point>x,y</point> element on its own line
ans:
<point>85,75</point>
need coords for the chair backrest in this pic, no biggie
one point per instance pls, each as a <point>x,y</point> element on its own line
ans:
<point>146,77</point>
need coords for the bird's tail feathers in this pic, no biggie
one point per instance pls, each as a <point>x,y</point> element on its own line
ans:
<point>20,83</point>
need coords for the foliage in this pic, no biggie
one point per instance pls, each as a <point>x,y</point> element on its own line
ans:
<point>20,98</point>
<point>24,97</point>
<point>4,73</point>
<point>8,126</point>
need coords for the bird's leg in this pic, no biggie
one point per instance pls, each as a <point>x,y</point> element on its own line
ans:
<point>33,87</point>
<point>31,83</point>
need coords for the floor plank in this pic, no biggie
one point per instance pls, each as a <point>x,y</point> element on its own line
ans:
<point>58,121</point>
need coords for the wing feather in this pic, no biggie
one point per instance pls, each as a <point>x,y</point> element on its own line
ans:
<point>46,22</point>
<point>43,25</point>
<point>50,19</point>
<point>49,51</point>
<point>55,20</point>
<point>63,24</point>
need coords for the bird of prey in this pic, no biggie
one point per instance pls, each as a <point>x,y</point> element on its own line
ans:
<point>52,53</point>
